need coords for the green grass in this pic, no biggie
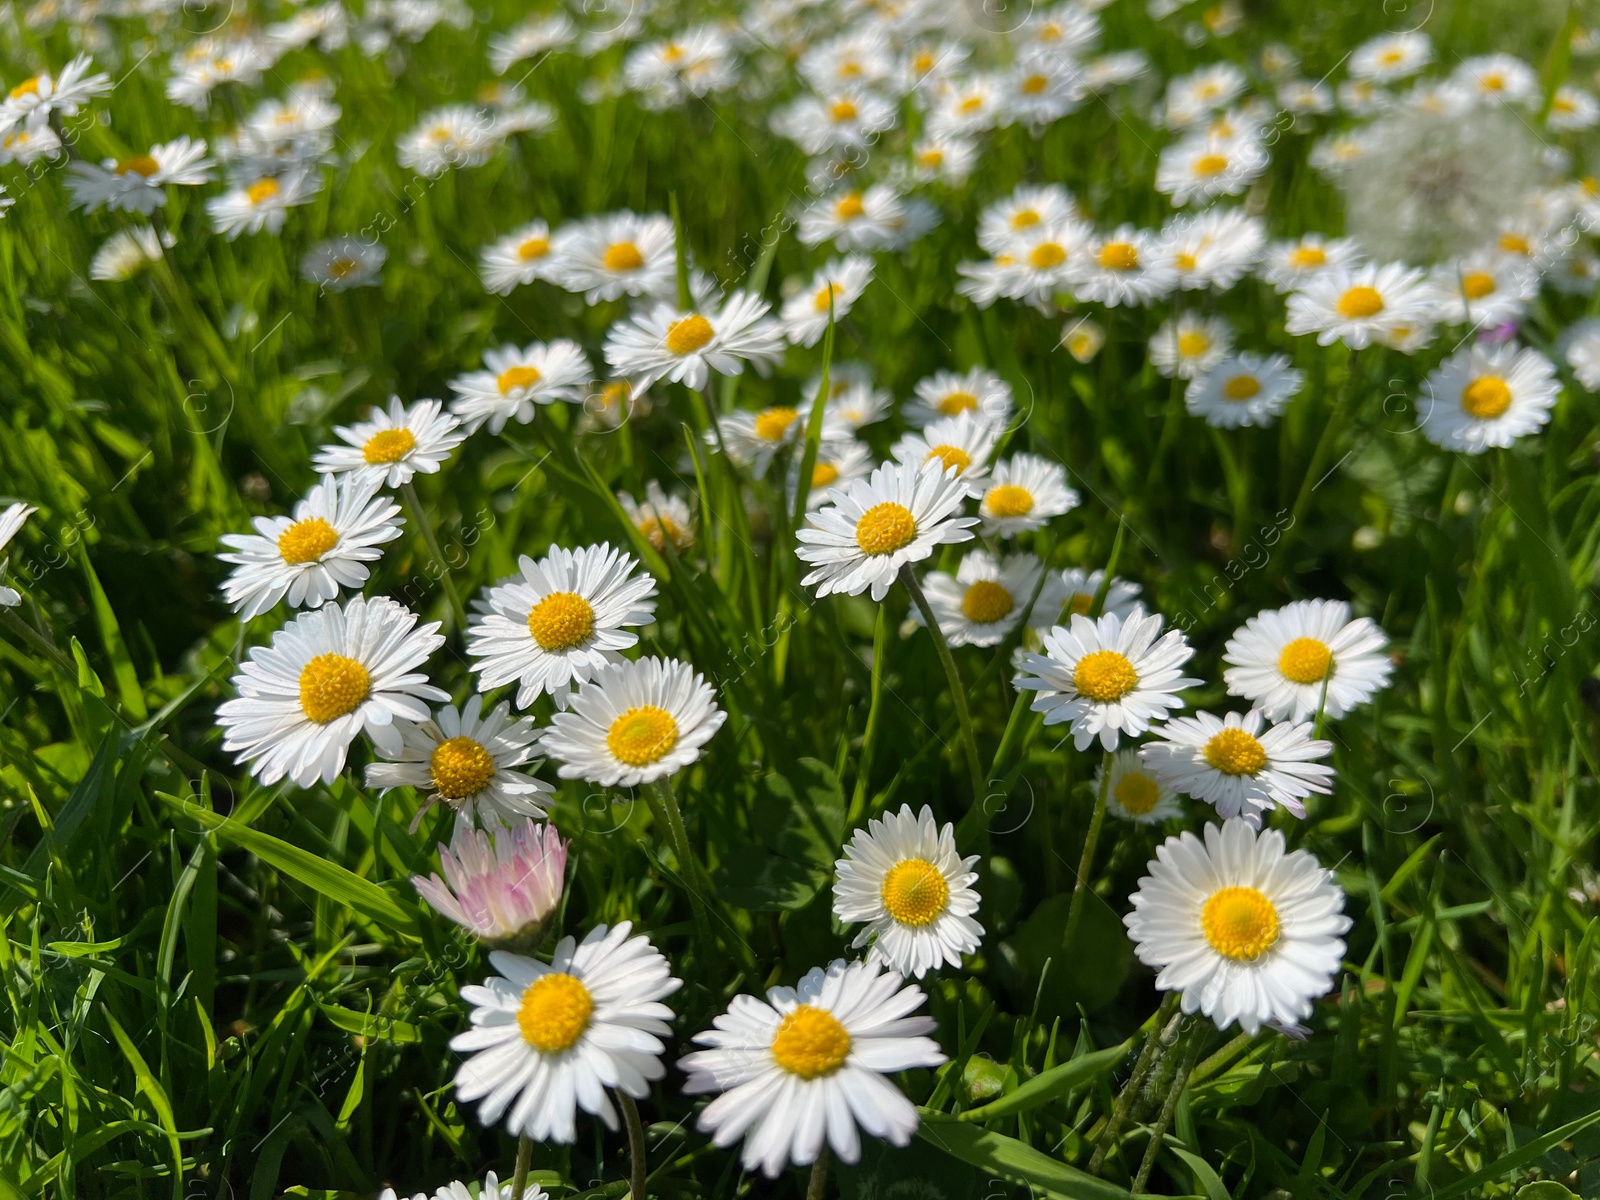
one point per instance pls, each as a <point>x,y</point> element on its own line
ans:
<point>218,989</point>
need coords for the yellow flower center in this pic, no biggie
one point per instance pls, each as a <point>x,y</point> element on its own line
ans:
<point>1233,751</point>
<point>659,530</point>
<point>1046,255</point>
<point>986,602</point>
<point>622,256</point>
<point>1079,605</point>
<point>1241,387</point>
<point>1240,923</point>
<point>388,446</point>
<point>28,87</point>
<point>642,735</point>
<point>461,768</point>
<point>931,157</point>
<point>1192,344</point>
<point>261,190</point>
<point>849,206</point>
<point>810,1043</point>
<point>1306,257</point>
<point>923,63</point>
<point>306,541</point>
<point>613,394</point>
<point>332,686</point>
<point>843,110</point>
<point>342,268</point>
<point>1034,84</point>
<point>823,474</point>
<point>140,164</point>
<point>1486,397</point>
<point>951,456</point>
<point>1137,794</point>
<point>773,423</point>
<point>1304,660</point>
<point>824,297</point>
<point>1024,218</point>
<point>1359,302</point>
<point>555,1011</point>
<point>1104,676</point>
<point>534,247</point>
<point>513,378</point>
<point>561,621</point>
<point>1184,261</point>
<point>1515,243</point>
<point>915,892</point>
<point>671,52</point>
<point>885,528</point>
<point>1210,164</point>
<point>1477,284</point>
<point>955,403</point>
<point>1119,256</point>
<point>1392,57</point>
<point>688,335</point>
<point>1493,82</point>
<point>1008,500</point>
<point>970,105</point>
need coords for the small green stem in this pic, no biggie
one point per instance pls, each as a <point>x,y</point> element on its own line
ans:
<point>957,693</point>
<point>519,1181</point>
<point>688,865</point>
<point>1080,886</point>
<point>1191,1054</point>
<point>880,646</point>
<point>1337,420</point>
<point>819,1176</point>
<point>636,1146</point>
<point>458,612</point>
<point>1130,1090</point>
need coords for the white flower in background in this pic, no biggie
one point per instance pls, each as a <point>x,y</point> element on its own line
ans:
<point>1042,87</point>
<point>874,219</point>
<point>633,723</point>
<point>30,142</point>
<point>1107,677</point>
<point>1498,79</point>
<point>561,621</point>
<point>1281,660</point>
<point>1022,493</point>
<point>839,461</point>
<point>518,258</point>
<point>1134,794</point>
<point>538,35</point>
<point>1199,168</point>
<point>1582,352</point>
<point>1243,389</point>
<point>809,1064</point>
<point>325,547</point>
<point>753,438</point>
<point>860,55</point>
<point>661,518</point>
<point>852,401</point>
<point>393,445</point>
<point>1485,396</point>
<point>458,135</point>
<point>984,600</point>
<point>836,288</point>
<point>1078,590</point>
<point>961,445</point>
<point>971,105</point>
<point>1112,70</point>
<point>1362,98</point>
<point>339,264</point>
<point>63,91</point>
<point>618,254</point>
<point>850,119</point>
<point>1484,289</point>
<point>1215,249</point>
<point>1082,338</point>
<point>943,394</point>
<point>1002,224</point>
<point>1289,265</point>
<point>686,347</point>
<point>262,204</point>
<point>1245,932</point>
<point>549,1039</point>
<point>1391,56</point>
<point>138,183</point>
<point>1126,266</point>
<point>1189,344</point>
<point>124,255</point>
<point>10,522</point>
<point>1232,763</point>
<point>903,877</point>
<point>514,380</point>
<point>1192,98</point>
<point>1573,108</point>
<point>328,675</point>
<point>947,160</point>
<point>1361,305</point>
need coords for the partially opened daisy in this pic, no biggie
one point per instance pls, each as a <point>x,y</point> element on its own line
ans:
<point>502,883</point>
<point>1244,931</point>
<point>1243,389</point>
<point>983,600</point>
<point>1134,793</point>
<point>839,284</point>
<point>514,380</point>
<point>808,1066</point>
<point>1022,493</point>
<point>752,438</point>
<point>1108,677</point>
<point>619,254</point>
<point>660,517</point>
<point>327,676</point>
<point>393,445</point>
<point>875,526</point>
<point>1232,763</point>
<point>903,877</point>
<point>549,1039</point>
<point>468,760</point>
<point>310,556</point>
<point>1358,306</point>
<point>518,258</point>
<point>565,618</point>
<point>1080,587</point>
<point>10,522</point>
<point>961,446</point>
<point>1485,396</point>
<point>685,347</point>
<point>944,394</point>
<point>138,183</point>
<point>633,723</point>
<point>1282,659</point>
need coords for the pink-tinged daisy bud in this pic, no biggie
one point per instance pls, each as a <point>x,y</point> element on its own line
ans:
<point>501,883</point>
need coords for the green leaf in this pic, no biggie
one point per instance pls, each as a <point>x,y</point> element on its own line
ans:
<point>1016,1162</point>
<point>151,1087</point>
<point>797,827</point>
<point>1057,1081</point>
<point>383,1029</point>
<point>1544,1189</point>
<point>1204,1176</point>
<point>1520,1157</point>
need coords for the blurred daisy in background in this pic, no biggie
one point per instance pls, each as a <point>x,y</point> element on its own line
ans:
<point>138,183</point>
<point>457,135</point>
<point>1022,493</point>
<point>1134,793</point>
<point>686,347</point>
<point>64,91</point>
<point>1231,762</point>
<point>1244,389</point>
<point>502,883</point>
<point>833,289</point>
<point>1213,250</point>
<point>1391,56</point>
<point>518,258</point>
<point>1189,344</point>
<point>1201,168</point>
<point>839,461</point>
<point>393,445</point>
<point>660,517</point>
<point>961,445</point>
<point>618,254</point>
<point>1485,396</point>
<point>11,521</point>
<point>753,438</point>
<point>262,204</point>
<point>1289,265</point>
<point>983,601</point>
<point>977,390</point>
<point>1484,289</point>
<point>514,380</point>
<point>1080,587</point>
<point>338,264</point>
<point>125,254</point>
<point>1124,267</point>
<point>1281,659</point>
<point>1361,305</point>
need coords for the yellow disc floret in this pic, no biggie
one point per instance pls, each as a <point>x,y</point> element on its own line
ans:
<point>461,768</point>
<point>555,1010</point>
<point>986,601</point>
<point>1137,794</point>
<point>1235,751</point>
<point>689,334</point>
<point>307,541</point>
<point>810,1043</point>
<point>332,686</point>
<point>1240,923</point>
<point>1008,500</point>
<point>915,892</point>
<point>885,528</point>
<point>1119,256</point>
<point>513,378</point>
<point>953,457</point>
<point>622,256</point>
<point>643,735</point>
<point>1304,660</point>
<point>561,621</point>
<point>1359,303</point>
<point>388,446</point>
<point>773,423</point>
<point>1486,397</point>
<point>1104,676</point>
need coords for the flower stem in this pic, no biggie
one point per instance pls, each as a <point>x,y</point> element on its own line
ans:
<point>1080,886</point>
<point>1130,1090</point>
<point>819,1176</point>
<point>458,612</point>
<point>519,1181</point>
<point>957,693</point>
<point>1191,1054</point>
<point>688,865</point>
<point>636,1147</point>
<point>880,646</point>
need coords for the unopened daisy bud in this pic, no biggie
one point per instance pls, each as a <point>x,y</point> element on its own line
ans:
<point>1082,338</point>
<point>501,883</point>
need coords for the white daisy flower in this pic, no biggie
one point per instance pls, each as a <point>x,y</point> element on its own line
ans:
<point>1042,87</point>
<point>633,723</point>
<point>1362,97</point>
<point>1189,344</point>
<point>393,446</point>
<point>856,56</point>
<point>1108,71</point>
<point>339,264</point>
<point>1002,223</point>
<point>1082,337</point>
<point>839,462</point>
<point>945,394</point>
<point>1289,265</point>
<point>63,91</point>
<point>1077,593</point>
<point>1230,762</point>
<point>753,438</point>
<point>262,204</point>
<point>1357,306</point>
<point>1485,396</point>
<point>313,555</point>
<point>518,258</point>
<point>873,219</point>
<point>468,760</point>
<point>1108,677</point>
<point>873,527</point>
<point>962,445</point>
<point>1125,267</point>
<point>983,601</point>
<point>1391,56</point>
<point>686,347</point>
<point>10,522</point>
<point>904,878</point>
<point>1484,289</point>
<point>852,118</point>
<point>1281,659</point>
<point>1213,250</point>
<point>562,621</point>
<point>839,285</point>
<point>1201,168</point>
<point>1134,794</point>
<point>1305,97</point>
<point>138,183</point>
<point>327,676</point>
<point>1040,261</point>
<point>512,381</point>
<point>1023,492</point>
<point>1573,108</point>
<point>970,105</point>
<point>1193,97</point>
<point>1245,932</point>
<point>661,518</point>
<point>1582,352</point>
<point>619,254</point>
<point>1498,79</point>
<point>125,254</point>
<point>547,1040</point>
<point>1244,389</point>
<point>457,135</point>
<point>947,160</point>
<point>31,142</point>
<point>810,1064</point>
<point>536,36</point>
<point>852,400</point>
<point>492,1188</point>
